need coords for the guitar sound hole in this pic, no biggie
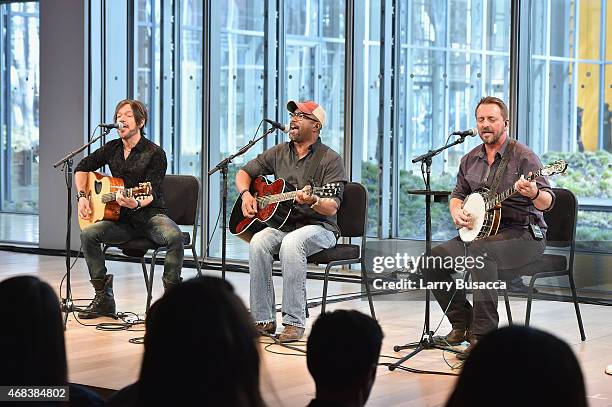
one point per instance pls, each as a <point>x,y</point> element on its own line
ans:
<point>98,187</point>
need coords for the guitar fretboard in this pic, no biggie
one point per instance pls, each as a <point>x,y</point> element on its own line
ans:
<point>110,196</point>
<point>502,196</point>
<point>270,199</point>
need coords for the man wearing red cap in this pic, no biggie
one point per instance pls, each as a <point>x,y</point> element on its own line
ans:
<point>312,225</point>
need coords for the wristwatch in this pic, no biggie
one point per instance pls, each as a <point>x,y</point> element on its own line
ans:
<point>81,194</point>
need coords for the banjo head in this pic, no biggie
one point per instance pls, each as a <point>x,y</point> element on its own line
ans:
<point>475,205</point>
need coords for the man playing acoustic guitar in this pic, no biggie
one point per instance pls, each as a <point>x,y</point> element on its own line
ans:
<point>521,238</point>
<point>311,226</point>
<point>134,159</point>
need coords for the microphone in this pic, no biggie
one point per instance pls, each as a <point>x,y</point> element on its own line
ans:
<point>117,125</point>
<point>279,126</point>
<point>465,133</point>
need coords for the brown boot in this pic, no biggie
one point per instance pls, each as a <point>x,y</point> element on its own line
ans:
<point>453,338</point>
<point>266,328</point>
<point>291,333</point>
<point>103,304</point>
<point>466,353</point>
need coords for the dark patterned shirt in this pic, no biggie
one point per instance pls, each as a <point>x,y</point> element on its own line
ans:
<point>282,161</point>
<point>475,173</point>
<point>146,162</point>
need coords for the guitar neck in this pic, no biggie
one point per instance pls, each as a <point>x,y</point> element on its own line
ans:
<point>110,196</point>
<point>502,196</point>
<point>271,199</point>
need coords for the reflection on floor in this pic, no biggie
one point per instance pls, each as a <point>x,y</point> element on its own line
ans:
<point>107,359</point>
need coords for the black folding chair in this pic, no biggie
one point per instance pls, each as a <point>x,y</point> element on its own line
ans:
<point>561,234</point>
<point>352,221</point>
<point>182,197</point>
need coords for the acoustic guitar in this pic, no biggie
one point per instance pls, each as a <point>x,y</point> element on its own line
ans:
<point>101,191</point>
<point>486,209</point>
<point>273,209</point>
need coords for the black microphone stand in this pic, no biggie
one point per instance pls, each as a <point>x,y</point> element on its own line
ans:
<point>427,340</point>
<point>223,167</point>
<point>67,304</point>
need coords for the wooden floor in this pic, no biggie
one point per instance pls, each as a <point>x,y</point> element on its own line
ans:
<point>107,359</point>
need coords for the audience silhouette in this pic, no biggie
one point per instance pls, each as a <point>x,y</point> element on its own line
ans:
<point>200,349</point>
<point>542,366</point>
<point>342,355</point>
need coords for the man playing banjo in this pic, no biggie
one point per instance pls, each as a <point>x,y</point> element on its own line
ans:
<point>521,238</point>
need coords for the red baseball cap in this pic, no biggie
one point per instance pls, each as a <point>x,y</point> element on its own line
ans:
<point>309,107</point>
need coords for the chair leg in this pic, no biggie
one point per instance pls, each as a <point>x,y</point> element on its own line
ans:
<point>306,311</point>
<point>575,298</point>
<point>143,263</point>
<point>197,261</point>
<point>508,310</point>
<point>150,282</point>
<point>529,300</point>
<point>364,279</point>
<point>325,283</point>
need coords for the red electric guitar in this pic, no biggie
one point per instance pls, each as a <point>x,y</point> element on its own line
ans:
<point>273,209</point>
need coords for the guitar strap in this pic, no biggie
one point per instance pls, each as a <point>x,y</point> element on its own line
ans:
<point>502,167</point>
<point>312,168</point>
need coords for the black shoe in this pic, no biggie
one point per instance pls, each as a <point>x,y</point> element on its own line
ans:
<point>169,285</point>
<point>517,286</point>
<point>454,337</point>
<point>103,303</point>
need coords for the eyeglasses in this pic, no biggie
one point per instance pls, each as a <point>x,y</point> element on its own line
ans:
<point>301,115</point>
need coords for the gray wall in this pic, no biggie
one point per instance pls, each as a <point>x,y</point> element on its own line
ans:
<point>63,111</point>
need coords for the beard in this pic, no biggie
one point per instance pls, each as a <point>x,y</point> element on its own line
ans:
<point>494,138</point>
<point>296,136</point>
<point>129,134</point>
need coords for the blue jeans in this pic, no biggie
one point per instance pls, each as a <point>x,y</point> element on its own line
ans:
<point>160,229</point>
<point>293,248</point>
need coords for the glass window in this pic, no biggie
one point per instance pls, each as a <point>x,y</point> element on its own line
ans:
<point>190,107</point>
<point>569,98</point>
<point>239,106</point>
<point>19,121</point>
<point>148,63</point>
<point>441,80</point>
<point>370,143</point>
<point>314,61</point>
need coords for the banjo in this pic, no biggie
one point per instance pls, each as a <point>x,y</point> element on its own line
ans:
<point>486,210</point>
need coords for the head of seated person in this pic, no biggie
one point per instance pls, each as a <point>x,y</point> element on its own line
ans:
<point>342,354</point>
<point>523,366</point>
<point>200,346</point>
<point>32,347</point>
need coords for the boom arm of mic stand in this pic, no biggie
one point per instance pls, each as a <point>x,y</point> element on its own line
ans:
<point>433,153</point>
<point>75,152</point>
<point>225,162</point>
